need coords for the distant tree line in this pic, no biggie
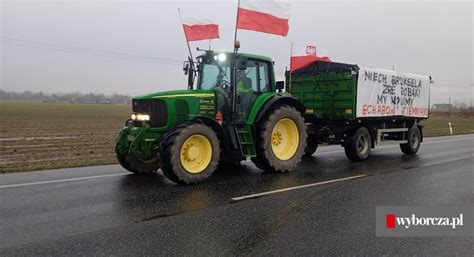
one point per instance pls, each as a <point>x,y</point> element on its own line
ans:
<point>76,97</point>
<point>455,107</point>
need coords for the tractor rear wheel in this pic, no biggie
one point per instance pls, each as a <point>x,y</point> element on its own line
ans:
<point>137,165</point>
<point>189,154</point>
<point>281,140</point>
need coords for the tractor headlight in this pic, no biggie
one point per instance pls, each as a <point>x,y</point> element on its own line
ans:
<point>140,117</point>
<point>220,57</point>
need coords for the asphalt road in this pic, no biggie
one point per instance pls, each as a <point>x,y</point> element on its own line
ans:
<point>104,210</point>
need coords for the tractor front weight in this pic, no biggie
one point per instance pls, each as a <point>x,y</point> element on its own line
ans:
<point>140,141</point>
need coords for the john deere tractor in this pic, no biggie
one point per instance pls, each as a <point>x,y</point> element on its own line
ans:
<point>235,111</point>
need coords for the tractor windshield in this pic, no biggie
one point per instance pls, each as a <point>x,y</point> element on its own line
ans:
<point>214,72</point>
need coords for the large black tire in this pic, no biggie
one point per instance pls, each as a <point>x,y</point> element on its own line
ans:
<point>122,160</point>
<point>413,141</point>
<point>357,148</point>
<point>137,165</point>
<point>266,157</point>
<point>171,149</point>
<point>311,145</point>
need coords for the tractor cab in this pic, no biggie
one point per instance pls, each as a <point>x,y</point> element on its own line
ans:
<point>236,90</point>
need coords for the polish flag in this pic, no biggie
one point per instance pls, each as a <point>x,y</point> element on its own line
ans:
<point>267,16</point>
<point>302,56</point>
<point>201,29</point>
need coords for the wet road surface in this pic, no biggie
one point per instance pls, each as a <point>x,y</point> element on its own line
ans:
<point>104,210</point>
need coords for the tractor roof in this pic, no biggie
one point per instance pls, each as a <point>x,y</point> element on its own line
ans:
<point>250,56</point>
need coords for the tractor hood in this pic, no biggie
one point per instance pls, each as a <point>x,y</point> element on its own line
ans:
<point>166,109</point>
<point>177,94</point>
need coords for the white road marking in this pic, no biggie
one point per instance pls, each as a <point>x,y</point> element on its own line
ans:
<point>60,180</point>
<point>441,162</point>
<point>245,197</point>
<point>240,198</point>
<point>449,140</point>
<point>396,145</point>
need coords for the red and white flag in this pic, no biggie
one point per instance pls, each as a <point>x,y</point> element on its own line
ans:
<point>200,29</point>
<point>267,16</point>
<point>302,56</point>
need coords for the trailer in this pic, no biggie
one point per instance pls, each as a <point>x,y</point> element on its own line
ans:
<point>359,108</point>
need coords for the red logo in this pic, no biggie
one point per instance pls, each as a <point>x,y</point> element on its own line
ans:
<point>310,50</point>
<point>390,220</point>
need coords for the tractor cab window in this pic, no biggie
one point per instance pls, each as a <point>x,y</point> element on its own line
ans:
<point>255,78</point>
<point>265,84</point>
<point>214,76</point>
<point>247,90</point>
<point>247,80</point>
<point>214,73</point>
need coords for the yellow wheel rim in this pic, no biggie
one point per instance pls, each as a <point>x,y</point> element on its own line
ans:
<point>196,153</point>
<point>285,139</point>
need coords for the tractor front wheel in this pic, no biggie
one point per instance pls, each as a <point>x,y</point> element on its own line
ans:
<point>281,140</point>
<point>189,154</point>
<point>137,165</point>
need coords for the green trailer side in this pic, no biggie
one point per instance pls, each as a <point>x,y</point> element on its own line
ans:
<point>330,95</point>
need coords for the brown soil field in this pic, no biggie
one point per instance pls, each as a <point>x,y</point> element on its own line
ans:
<point>36,136</point>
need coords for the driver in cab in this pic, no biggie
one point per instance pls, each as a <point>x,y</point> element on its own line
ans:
<point>244,83</point>
<point>245,90</point>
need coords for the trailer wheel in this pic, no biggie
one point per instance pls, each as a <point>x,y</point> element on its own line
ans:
<point>281,140</point>
<point>358,147</point>
<point>311,145</point>
<point>137,165</point>
<point>189,154</point>
<point>413,141</point>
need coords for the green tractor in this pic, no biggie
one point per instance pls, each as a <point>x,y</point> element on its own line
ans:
<point>236,111</point>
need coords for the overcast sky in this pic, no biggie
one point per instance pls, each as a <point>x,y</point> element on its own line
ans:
<point>426,37</point>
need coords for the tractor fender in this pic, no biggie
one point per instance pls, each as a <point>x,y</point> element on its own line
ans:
<point>217,128</point>
<point>276,101</point>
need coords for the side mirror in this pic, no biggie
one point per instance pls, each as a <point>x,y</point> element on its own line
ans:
<point>242,63</point>
<point>280,85</point>
<point>186,68</point>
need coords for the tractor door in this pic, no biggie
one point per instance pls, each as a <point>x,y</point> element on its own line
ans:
<point>251,82</point>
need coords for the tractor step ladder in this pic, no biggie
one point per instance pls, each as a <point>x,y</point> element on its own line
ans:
<point>245,137</point>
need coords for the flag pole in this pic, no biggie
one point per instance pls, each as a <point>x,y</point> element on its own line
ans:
<point>234,77</point>
<point>189,47</point>
<point>190,58</point>
<point>291,62</point>
<point>236,22</point>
